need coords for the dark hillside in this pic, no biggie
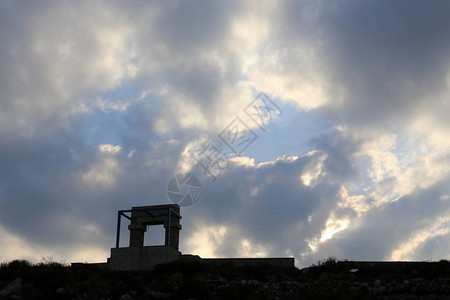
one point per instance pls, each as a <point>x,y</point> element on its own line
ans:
<point>329,279</point>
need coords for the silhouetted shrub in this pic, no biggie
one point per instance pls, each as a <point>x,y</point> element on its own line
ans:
<point>328,265</point>
<point>14,269</point>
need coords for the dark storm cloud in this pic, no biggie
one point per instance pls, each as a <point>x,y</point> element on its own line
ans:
<point>52,60</point>
<point>390,57</point>
<point>42,179</point>
<point>391,61</point>
<point>270,205</point>
<point>185,46</point>
<point>386,227</point>
<point>433,248</point>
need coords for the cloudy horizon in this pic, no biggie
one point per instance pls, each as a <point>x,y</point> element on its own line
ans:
<point>102,102</point>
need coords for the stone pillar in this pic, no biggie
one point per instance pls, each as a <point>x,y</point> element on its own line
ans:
<point>174,237</point>
<point>137,231</point>
<point>175,228</point>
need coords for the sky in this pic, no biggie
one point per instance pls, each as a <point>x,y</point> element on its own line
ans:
<point>103,102</point>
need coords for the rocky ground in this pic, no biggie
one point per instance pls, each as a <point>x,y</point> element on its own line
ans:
<point>326,280</point>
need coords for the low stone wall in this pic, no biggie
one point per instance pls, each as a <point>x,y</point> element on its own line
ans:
<point>273,261</point>
<point>388,265</point>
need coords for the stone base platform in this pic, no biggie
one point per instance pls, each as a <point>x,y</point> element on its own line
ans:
<point>141,258</point>
<point>145,258</point>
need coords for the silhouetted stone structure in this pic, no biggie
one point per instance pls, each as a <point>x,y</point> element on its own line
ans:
<point>166,215</point>
<point>140,257</point>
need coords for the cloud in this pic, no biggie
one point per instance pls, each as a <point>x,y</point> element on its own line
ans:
<point>102,103</point>
<point>56,54</point>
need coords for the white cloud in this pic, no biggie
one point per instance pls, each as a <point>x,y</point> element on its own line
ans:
<point>206,240</point>
<point>408,249</point>
<point>333,226</point>
<point>250,250</point>
<point>358,203</point>
<point>108,148</point>
<point>58,57</point>
<point>13,247</point>
<point>104,172</point>
<point>314,169</point>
